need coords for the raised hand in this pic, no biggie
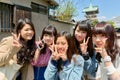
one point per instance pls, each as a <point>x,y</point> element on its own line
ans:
<point>40,44</point>
<point>83,46</point>
<point>55,55</point>
<point>101,49</point>
<point>63,53</point>
<point>63,56</point>
<point>16,40</point>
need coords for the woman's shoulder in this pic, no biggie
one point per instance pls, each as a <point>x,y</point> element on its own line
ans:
<point>9,38</point>
<point>6,41</point>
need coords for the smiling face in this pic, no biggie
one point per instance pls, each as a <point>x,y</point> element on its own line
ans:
<point>99,40</point>
<point>80,35</point>
<point>61,45</point>
<point>49,39</point>
<point>27,32</point>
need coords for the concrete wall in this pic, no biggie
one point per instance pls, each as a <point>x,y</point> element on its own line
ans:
<point>62,26</point>
<point>39,21</point>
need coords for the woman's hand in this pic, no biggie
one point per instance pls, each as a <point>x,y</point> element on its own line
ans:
<point>40,44</point>
<point>83,46</point>
<point>16,40</point>
<point>102,49</point>
<point>55,55</point>
<point>63,56</point>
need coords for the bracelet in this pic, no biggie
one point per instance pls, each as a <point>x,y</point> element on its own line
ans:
<point>107,59</point>
<point>110,69</point>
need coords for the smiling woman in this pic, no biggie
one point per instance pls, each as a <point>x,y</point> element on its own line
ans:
<point>107,52</point>
<point>17,51</point>
<point>65,62</point>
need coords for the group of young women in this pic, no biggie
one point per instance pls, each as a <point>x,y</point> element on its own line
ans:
<point>91,53</point>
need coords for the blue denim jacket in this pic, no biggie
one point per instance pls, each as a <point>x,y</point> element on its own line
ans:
<point>72,71</point>
<point>91,66</point>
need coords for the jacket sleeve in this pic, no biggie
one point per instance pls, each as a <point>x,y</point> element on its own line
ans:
<point>91,66</point>
<point>7,51</point>
<point>50,72</point>
<point>113,72</point>
<point>74,70</point>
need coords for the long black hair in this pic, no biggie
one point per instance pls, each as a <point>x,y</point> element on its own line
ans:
<point>26,53</point>
<point>85,26</point>
<point>50,30</point>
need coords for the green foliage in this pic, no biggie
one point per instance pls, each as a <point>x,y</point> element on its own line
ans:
<point>93,23</point>
<point>112,23</point>
<point>66,10</point>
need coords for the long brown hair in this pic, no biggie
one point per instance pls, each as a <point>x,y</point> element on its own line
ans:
<point>111,43</point>
<point>71,47</point>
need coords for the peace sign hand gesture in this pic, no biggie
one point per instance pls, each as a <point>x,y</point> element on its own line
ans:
<point>40,44</point>
<point>102,49</point>
<point>84,46</point>
<point>16,40</point>
<point>55,55</point>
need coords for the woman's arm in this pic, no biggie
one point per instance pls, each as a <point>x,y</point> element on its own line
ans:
<point>7,50</point>
<point>51,71</point>
<point>36,56</point>
<point>91,66</point>
<point>74,70</point>
<point>112,72</point>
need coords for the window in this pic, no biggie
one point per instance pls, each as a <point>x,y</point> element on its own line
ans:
<point>21,12</point>
<point>6,15</point>
<point>39,8</point>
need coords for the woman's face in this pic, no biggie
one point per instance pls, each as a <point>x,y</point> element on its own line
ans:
<point>80,35</point>
<point>27,32</point>
<point>99,40</point>
<point>49,39</point>
<point>61,45</point>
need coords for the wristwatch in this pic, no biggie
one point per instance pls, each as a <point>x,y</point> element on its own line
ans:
<point>107,59</point>
<point>86,56</point>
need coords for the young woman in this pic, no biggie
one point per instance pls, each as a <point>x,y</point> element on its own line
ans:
<point>17,51</point>
<point>107,52</point>
<point>65,63</point>
<point>83,40</point>
<point>43,52</point>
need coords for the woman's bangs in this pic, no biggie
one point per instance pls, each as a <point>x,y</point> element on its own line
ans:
<point>48,31</point>
<point>83,27</point>
<point>98,30</point>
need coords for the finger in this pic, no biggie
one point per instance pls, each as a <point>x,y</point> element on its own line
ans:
<point>39,38</point>
<point>87,40</point>
<point>84,40</point>
<point>18,38</point>
<point>104,40</point>
<point>55,49</point>
<point>51,49</point>
<point>98,50</point>
<point>13,35</point>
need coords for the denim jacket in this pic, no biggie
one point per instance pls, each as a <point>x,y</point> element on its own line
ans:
<point>71,71</point>
<point>91,66</point>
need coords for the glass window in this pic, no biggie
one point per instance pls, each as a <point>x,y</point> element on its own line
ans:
<point>6,17</point>
<point>39,8</point>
